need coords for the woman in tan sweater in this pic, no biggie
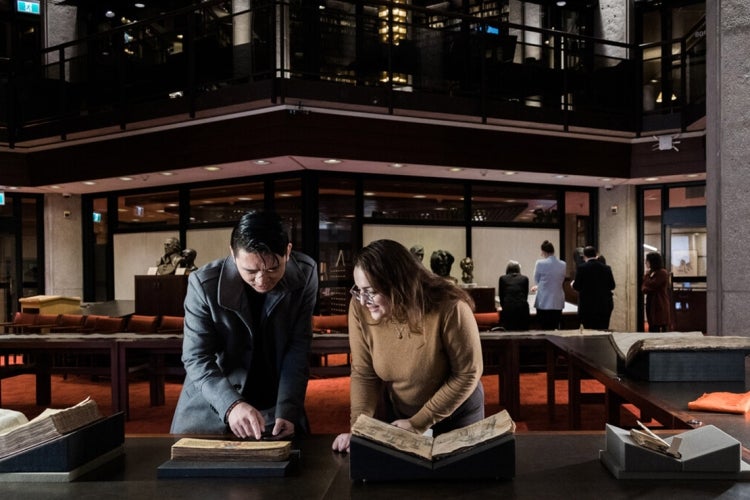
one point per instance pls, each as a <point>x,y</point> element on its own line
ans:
<point>416,354</point>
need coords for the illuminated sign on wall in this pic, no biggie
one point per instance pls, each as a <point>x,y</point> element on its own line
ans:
<point>2,197</point>
<point>28,6</point>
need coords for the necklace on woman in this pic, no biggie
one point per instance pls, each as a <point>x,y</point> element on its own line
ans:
<point>400,329</point>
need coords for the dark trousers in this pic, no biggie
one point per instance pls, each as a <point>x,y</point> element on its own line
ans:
<point>549,319</point>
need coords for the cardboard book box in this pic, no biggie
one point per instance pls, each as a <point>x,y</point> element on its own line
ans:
<point>705,453</point>
<point>70,456</point>
<point>370,461</point>
<point>683,357</point>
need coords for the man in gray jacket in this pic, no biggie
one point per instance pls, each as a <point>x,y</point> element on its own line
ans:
<point>248,328</point>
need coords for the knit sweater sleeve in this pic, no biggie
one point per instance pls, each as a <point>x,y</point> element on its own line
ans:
<point>461,343</point>
<point>365,385</point>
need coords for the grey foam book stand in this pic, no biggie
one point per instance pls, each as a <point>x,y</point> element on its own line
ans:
<point>707,453</point>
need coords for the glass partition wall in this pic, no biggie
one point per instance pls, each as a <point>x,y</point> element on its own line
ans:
<point>332,215</point>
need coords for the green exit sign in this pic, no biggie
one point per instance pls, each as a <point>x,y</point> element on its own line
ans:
<point>27,7</point>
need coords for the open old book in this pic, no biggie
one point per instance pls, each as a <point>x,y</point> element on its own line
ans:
<point>18,434</point>
<point>231,451</point>
<point>448,444</point>
<point>628,344</point>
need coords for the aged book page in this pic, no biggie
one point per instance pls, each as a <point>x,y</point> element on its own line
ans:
<point>50,424</point>
<point>625,342</point>
<point>392,436</point>
<point>231,451</point>
<point>497,425</point>
<point>428,448</point>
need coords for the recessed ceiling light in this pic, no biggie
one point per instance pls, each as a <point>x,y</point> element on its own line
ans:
<point>12,187</point>
<point>261,162</point>
<point>139,5</point>
<point>606,179</point>
<point>455,169</point>
<point>369,193</point>
<point>692,176</point>
<point>89,183</point>
<point>245,198</point>
<point>332,161</point>
<point>285,195</point>
<point>55,187</point>
<point>126,178</point>
<point>167,174</point>
<point>419,196</point>
<point>212,169</point>
<point>172,204</point>
<point>560,176</point>
<point>509,172</point>
<point>651,179</point>
<point>397,165</point>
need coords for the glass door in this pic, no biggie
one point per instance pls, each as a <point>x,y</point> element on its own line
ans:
<point>8,282</point>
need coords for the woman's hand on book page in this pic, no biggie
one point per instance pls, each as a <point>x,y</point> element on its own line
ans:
<point>341,443</point>
<point>404,424</point>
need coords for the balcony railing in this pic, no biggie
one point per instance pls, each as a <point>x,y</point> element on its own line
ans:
<point>379,56</point>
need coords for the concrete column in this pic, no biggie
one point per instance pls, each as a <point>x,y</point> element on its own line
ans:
<point>618,234</point>
<point>728,182</point>
<point>63,245</point>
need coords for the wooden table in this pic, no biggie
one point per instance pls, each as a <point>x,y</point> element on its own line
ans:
<point>118,348</point>
<point>548,465</point>
<point>594,357</point>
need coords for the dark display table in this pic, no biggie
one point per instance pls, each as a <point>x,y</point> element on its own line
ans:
<point>548,465</point>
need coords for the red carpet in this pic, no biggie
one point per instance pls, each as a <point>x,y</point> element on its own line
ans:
<point>327,402</point>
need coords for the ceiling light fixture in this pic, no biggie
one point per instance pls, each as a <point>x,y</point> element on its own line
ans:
<point>167,174</point>
<point>455,169</point>
<point>332,161</point>
<point>261,162</point>
<point>510,172</point>
<point>212,169</point>
<point>397,165</point>
<point>126,179</point>
<point>89,183</point>
<point>561,3</point>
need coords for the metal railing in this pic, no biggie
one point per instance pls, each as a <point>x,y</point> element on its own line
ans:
<point>388,55</point>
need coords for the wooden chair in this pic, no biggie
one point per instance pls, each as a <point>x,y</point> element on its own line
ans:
<point>142,324</point>
<point>171,324</point>
<point>20,320</point>
<point>69,323</point>
<point>95,323</point>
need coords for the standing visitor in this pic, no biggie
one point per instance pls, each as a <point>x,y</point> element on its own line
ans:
<point>513,290</point>
<point>594,283</point>
<point>656,288</point>
<point>549,274</point>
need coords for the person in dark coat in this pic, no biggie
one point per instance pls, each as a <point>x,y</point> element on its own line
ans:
<point>594,283</point>
<point>513,290</point>
<point>655,286</point>
<point>248,330</point>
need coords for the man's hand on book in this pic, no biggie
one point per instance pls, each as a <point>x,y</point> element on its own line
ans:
<point>283,428</point>
<point>341,443</point>
<point>245,421</point>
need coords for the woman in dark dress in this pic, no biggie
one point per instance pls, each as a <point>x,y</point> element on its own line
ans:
<point>656,288</point>
<point>513,289</point>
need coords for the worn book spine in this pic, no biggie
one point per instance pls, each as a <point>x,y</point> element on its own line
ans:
<point>70,451</point>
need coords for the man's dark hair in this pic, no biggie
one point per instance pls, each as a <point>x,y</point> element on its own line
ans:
<point>260,232</point>
<point>589,252</point>
<point>548,247</point>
